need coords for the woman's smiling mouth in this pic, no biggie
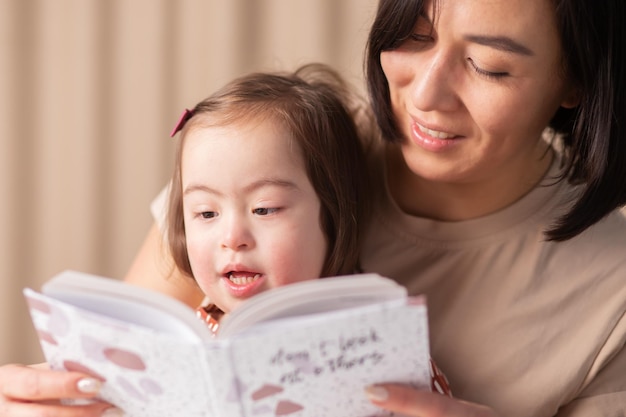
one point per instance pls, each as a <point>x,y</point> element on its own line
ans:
<point>432,140</point>
<point>435,133</point>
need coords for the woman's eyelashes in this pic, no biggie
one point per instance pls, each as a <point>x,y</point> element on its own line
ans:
<point>493,75</point>
<point>422,38</point>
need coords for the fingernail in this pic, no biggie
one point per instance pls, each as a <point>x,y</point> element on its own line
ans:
<point>88,385</point>
<point>112,412</point>
<point>376,393</point>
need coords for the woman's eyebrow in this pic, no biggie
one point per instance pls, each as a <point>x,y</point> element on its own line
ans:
<point>501,43</point>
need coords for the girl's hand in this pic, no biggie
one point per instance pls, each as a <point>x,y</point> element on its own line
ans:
<point>36,391</point>
<point>410,402</point>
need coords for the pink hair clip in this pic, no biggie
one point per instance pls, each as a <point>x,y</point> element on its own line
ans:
<point>187,114</point>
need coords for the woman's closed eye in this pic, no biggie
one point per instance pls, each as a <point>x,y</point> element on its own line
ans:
<point>421,37</point>
<point>495,75</point>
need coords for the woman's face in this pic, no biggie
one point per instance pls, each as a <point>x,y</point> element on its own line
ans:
<point>473,91</point>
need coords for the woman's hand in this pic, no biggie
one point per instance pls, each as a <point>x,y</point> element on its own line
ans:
<point>36,391</point>
<point>410,402</point>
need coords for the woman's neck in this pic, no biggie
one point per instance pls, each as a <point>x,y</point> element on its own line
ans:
<point>457,201</point>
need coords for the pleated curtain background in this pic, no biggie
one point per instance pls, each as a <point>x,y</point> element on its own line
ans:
<point>89,90</point>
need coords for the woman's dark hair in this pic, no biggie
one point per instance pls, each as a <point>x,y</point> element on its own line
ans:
<point>318,109</point>
<point>593,39</point>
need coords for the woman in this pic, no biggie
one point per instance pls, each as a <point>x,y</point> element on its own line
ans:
<point>524,273</point>
<point>511,230</point>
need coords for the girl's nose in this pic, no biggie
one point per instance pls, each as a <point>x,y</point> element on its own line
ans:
<point>236,234</point>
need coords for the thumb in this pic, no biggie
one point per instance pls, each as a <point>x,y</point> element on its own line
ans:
<point>412,402</point>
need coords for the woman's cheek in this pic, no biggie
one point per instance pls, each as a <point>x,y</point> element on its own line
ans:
<point>491,111</point>
<point>397,68</point>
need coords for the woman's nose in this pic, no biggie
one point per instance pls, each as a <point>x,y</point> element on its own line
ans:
<point>435,83</point>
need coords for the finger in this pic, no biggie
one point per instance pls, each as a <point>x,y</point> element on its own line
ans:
<point>17,409</point>
<point>43,365</point>
<point>411,402</point>
<point>37,383</point>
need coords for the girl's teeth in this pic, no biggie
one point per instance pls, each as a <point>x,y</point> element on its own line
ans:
<point>243,280</point>
<point>434,133</point>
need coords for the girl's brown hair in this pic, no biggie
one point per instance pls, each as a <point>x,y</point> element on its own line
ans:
<point>318,109</point>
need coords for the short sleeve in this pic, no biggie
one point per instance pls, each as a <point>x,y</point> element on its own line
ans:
<point>605,396</point>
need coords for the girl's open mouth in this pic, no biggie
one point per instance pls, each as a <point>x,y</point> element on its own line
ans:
<point>242,278</point>
<point>243,284</point>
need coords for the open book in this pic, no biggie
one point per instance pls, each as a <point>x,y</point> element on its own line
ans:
<point>302,350</point>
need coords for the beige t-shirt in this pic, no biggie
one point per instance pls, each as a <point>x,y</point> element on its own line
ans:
<point>529,327</point>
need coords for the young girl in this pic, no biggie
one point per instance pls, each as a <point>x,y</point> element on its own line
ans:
<point>269,188</point>
<point>268,185</point>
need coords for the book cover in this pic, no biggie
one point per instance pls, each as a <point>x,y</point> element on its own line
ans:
<point>303,350</point>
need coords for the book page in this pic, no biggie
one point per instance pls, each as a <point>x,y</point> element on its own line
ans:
<point>146,372</point>
<point>128,303</point>
<point>309,297</point>
<point>318,365</point>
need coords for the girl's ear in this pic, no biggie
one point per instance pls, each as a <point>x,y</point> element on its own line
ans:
<point>571,98</point>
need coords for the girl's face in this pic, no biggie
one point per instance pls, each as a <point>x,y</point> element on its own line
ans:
<point>473,91</point>
<point>252,217</point>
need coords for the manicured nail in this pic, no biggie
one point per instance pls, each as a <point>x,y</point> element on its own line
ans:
<point>376,393</point>
<point>89,385</point>
<point>112,412</point>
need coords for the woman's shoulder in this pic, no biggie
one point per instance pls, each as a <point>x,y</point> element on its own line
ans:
<point>593,260</point>
<point>606,236</point>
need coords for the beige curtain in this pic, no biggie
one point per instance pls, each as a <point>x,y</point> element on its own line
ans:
<point>89,90</point>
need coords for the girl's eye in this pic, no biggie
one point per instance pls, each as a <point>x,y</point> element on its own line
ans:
<point>264,211</point>
<point>208,214</point>
<point>487,74</point>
